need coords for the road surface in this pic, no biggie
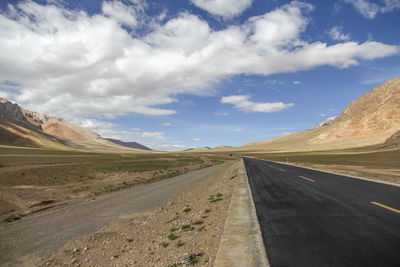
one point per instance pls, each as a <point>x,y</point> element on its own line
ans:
<point>45,232</point>
<point>311,218</point>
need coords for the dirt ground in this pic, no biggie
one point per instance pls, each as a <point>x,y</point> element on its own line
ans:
<point>40,182</point>
<point>185,231</point>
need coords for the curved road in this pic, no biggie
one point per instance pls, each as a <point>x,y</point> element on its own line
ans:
<point>45,232</point>
<point>311,218</point>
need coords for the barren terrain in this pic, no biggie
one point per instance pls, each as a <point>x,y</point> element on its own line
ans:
<point>34,179</point>
<point>183,231</point>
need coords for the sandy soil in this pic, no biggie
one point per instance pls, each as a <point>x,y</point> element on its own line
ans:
<point>182,232</point>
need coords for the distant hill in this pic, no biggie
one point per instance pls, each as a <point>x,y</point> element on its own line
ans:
<point>128,144</point>
<point>368,120</point>
<point>21,127</point>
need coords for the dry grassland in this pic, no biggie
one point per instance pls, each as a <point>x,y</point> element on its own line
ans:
<point>32,180</point>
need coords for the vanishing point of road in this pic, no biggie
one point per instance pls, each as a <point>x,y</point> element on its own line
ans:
<point>311,218</point>
<point>43,233</point>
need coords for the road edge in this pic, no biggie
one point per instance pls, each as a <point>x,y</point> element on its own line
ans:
<point>241,243</point>
<point>345,175</point>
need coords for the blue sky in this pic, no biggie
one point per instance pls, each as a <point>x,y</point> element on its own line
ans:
<point>190,73</point>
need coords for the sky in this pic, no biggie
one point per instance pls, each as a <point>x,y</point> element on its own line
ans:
<point>179,74</point>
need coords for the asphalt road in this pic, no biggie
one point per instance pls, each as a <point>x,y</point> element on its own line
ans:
<point>311,218</point>
<point>45,232</point>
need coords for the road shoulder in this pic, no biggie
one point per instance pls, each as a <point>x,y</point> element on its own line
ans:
<point>241,243</point>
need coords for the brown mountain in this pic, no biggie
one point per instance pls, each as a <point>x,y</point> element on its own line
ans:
<point>21,127</point>
<point>369,120</point>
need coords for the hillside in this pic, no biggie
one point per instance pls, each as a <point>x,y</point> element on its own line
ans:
<point>21,127</point>
<point>128,144</point>
<point>368,120</point>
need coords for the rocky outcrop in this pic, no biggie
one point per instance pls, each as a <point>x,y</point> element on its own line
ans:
<point>375,113</point>
<point>393,141</point>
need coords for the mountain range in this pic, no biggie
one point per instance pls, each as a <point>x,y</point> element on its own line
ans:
<point>372,119</point>
<point>21,127</point>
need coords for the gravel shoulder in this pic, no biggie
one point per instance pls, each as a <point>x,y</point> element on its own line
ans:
<point>28,241</point>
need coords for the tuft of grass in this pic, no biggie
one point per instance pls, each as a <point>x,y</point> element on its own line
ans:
<point>130,240</point>
<point>180,244</point>
<point>187,210</point>
<point>165,245</point>
<point>173,229</point>
<point>207,211</point>
<point>198,222</point>
<point>204,217</point>
<point>186,226</point>
<point>172,236</point>
<point>216,200</point>
<point>15,217</point>
<point>219,195</point>
<point>193,261</point>
<point>201,228</point>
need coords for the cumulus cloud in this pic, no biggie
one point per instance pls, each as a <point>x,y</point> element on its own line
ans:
<point>196,139</point>
<point>296,82</point>
<point>370,9</point>
<point>74,65</point>
<point>242,103</point>
<point>223,8</point>
<point>336,34</point>
<point>120,12</point>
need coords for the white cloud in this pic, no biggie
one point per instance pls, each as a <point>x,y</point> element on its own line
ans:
<point>120,12</point>
<point>196,139</point>
<point>94,125</point>
<point>322,115</point>
<point>153,140</point>
<point>242,103</point>
<point>169,147</point>
<point>336,34</point>
<point>237,130</point>
<point>223,8</point>
<point>370,9</point>
<point>166,124</point>
<point>222,113</point>
<point>70,64</point>
<point>274,82</point>
<point>296,82</point>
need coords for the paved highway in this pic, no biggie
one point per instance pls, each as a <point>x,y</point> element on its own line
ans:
<point>311,218</point>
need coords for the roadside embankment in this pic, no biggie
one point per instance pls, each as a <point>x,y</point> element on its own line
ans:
<point>241,243</point>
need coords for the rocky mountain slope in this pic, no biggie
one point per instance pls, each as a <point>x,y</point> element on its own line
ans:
<point>368,120</point>
<point>21,127</point>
